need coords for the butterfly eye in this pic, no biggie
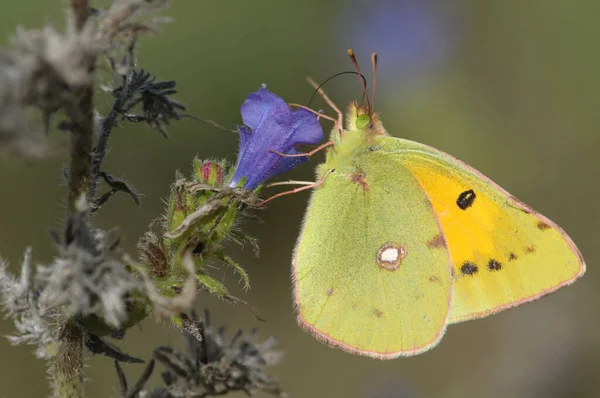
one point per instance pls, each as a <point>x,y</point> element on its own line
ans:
<point>363,121</point>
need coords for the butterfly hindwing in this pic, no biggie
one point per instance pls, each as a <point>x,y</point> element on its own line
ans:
<point>396,306</point>
<point>504,254</point>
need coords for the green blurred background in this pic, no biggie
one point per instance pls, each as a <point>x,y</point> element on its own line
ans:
<point>511,87</point>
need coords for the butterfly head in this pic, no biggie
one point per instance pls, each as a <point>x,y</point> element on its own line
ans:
<point>363,117</point>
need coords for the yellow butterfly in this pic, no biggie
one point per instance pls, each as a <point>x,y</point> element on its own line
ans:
<point>401,239</point>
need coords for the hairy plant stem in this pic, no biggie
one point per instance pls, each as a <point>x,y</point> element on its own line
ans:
<point>67,365</point>
<point>68,362</point>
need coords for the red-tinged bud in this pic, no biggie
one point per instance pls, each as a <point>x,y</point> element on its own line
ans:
<point>209,172</point>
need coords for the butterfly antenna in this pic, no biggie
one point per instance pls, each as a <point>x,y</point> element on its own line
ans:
<point>364,79</point>
<point>374,63</point>
<point>362,83</point>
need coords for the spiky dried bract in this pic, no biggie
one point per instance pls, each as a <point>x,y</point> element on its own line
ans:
<point>21,302</point>
<point>116,185</point>
<point>123,21</point>
<point>138,98</point>
<point>46,67</point>
<point>152,97</point>
<point>214,365</point>
<point>137,390</point>
<point>42,72</point>
<point>88,276</point>
<point>97,345</point>
<point>62,56</point>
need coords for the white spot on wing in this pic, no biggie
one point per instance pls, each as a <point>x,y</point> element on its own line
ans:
<point>389,255</point>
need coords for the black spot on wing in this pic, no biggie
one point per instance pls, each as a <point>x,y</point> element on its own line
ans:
<point>466,199</point>
<point>494,265</point>
<point>512,256</point>
<point>469,268</point>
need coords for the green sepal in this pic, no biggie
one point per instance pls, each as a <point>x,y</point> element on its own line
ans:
<point>237,268</point>
<point>211,284</point>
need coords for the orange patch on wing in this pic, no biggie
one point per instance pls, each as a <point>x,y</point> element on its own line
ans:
<point>542,226</point>
<point>437,242</point>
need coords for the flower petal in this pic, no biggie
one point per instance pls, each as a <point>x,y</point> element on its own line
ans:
<point>260,105</point>
<point>271,126</point>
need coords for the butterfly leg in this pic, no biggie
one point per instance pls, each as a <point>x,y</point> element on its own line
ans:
<point>319,114</point>
<point>339,122</point>
<point>309,185</point>
<point>307,154</point>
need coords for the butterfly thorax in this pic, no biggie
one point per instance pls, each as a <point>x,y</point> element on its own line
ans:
<point>362,129</point>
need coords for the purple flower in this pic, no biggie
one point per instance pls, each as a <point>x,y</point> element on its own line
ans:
<point>270,125</point>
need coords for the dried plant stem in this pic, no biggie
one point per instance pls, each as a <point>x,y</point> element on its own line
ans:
<point>68,363</point>
<point>82,118</point>
<point>108,123</point>
<point>81,113</point>
<point>80,12</point>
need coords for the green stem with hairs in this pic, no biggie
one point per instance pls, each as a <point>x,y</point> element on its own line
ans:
<point>68,361</point>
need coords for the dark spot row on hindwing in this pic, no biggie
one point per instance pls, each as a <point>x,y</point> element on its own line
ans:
<point>377,312</point>
<point>468,268</point>
<point>466,199</point>
<point>528,250</point>
<point>494,265</point>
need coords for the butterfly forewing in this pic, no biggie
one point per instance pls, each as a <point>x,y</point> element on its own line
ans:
<point>371,268</point>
